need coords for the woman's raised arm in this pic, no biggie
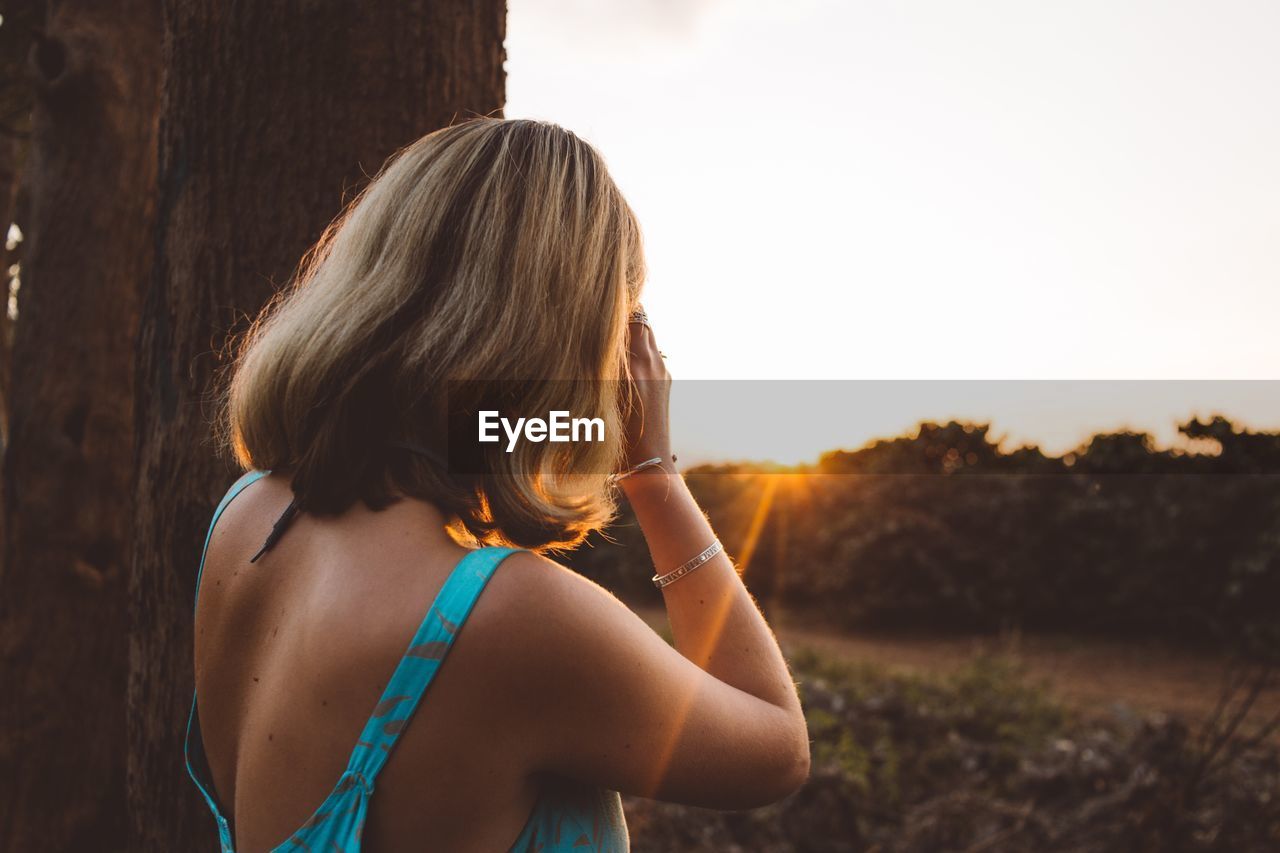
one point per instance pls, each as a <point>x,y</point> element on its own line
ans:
<point>715,721</point>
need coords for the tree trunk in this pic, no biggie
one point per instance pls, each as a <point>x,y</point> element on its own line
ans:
<point>22,20</point>
<point>68,467</point>
<point>11,154</point>
<point>274,113</point>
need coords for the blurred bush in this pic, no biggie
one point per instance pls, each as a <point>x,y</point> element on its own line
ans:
<point>986,760</point>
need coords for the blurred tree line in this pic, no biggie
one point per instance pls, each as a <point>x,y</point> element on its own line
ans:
<point>946,530</point>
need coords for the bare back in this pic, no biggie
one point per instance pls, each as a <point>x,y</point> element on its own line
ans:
<point>294,650</point>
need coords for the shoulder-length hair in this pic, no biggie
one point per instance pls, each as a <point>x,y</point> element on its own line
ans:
<point>490,249</point>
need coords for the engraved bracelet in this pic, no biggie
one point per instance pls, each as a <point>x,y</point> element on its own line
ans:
<point>679,572</point>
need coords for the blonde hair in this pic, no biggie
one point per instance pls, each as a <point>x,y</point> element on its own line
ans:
<point>490,249</point>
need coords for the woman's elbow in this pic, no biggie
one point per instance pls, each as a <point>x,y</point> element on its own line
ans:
<point>758,770</point>
<point>794,771</point>
<point>787,766</point>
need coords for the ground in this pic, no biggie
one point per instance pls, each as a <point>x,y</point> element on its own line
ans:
<point>1089,674</point>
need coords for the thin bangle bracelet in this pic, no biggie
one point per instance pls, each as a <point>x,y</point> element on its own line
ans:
<point>672,576</point>
<point>636,469</point>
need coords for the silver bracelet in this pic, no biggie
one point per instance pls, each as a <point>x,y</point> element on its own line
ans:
<point>636,469</point>
<point>679,572</point>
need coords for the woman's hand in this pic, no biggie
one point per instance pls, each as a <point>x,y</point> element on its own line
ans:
<point>648,415</point>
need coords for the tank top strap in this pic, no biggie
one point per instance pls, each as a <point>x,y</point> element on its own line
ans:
<point>422,660</point>
<point>246,480</point>
<point>193,743</point>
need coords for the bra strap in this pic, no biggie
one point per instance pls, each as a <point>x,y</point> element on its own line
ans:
<point>422,660</point>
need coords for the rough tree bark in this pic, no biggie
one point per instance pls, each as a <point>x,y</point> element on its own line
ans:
<point>273,111</point>
<point>68,467</point>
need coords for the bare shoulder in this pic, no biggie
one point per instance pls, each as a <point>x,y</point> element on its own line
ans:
<point>251,510</point>
<point>240,529</point>
<point>552,632</point>
<point>562,648</point>
<point>547,606</point>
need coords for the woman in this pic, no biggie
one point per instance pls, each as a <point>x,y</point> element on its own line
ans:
<point>490,249</point>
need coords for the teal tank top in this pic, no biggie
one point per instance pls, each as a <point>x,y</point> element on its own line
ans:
<point>566,817</point>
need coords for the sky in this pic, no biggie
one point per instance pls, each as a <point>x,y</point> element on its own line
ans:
<point>938,191</point>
